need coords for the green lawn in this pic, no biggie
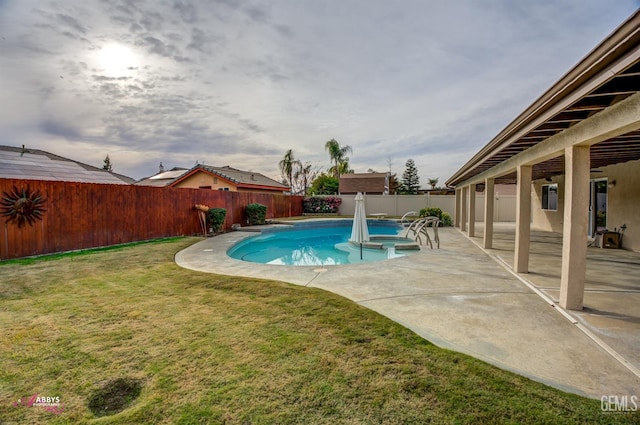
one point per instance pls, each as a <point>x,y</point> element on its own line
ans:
<point>217,349</point>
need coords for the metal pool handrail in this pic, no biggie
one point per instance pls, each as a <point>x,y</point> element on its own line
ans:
<point>419,228</point>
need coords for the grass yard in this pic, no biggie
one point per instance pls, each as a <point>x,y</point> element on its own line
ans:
<point>173,346</point>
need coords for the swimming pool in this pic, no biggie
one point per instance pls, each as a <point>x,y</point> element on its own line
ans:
<point>321,243</point>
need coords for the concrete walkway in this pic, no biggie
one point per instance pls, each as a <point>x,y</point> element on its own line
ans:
<point>463,298</point>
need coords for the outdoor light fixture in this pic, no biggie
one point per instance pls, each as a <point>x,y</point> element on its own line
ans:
<point>549,179</point>
<point>611,184</point>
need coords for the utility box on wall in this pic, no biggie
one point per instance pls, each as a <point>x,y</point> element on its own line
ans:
<point>610,240</point>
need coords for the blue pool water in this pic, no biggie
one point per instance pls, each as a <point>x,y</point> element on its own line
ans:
<point>318,243</point>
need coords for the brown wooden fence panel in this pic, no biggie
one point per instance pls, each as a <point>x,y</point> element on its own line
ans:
<point>82,215</point>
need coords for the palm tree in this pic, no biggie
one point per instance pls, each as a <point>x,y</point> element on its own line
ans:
<point>338,155</point>
<point>433,182</point>
<point>343,167</point>
<point>287,165</point>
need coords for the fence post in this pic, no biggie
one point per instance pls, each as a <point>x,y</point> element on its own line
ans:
<point>395,203</point>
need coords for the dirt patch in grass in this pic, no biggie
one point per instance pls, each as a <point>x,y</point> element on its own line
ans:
<point>114,396</point>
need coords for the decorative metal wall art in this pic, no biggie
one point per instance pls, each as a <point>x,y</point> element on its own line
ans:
<point>22,206</point>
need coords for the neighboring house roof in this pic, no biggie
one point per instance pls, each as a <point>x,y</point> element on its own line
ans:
<point>239,178</point>
<point>363,182</point>
<point>242,179</point>
<point>35,164</point>
<point>163,178</point>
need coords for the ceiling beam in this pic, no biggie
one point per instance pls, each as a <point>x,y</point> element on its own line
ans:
<point>621,118</point>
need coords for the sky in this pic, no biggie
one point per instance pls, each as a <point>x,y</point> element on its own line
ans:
<point>238,83</point>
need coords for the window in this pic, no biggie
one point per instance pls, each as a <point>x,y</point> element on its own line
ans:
<point>550,197</point>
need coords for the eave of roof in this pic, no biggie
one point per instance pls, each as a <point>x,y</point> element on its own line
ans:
<point>364,176</point>
<point>197,169</point>
<point>259,186</point>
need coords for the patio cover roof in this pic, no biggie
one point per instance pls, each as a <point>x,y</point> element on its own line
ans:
<point>609,74</point>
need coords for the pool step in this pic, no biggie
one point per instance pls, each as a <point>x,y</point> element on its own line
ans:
<point>397,246</point>
<point>374,245</point>
<point>410,245</point>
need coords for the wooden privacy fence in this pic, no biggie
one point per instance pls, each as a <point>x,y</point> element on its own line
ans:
<point>86,215</point>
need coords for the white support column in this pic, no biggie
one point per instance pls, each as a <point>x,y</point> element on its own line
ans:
<point>523,219</point>
<point>463,209</point>
<point>456,219</point>
<point>574,232</point>
<point>472,210</point>
<point>489,197</point>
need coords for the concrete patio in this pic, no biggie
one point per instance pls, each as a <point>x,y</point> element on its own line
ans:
<point>464,298</point>
<point>612,288</point>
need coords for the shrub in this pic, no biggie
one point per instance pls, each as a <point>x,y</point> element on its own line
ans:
<point>444,217</point>
<point>256,214</point>
<point>324,185</point>
<point>321,205</point>
<point>431,212</point>
<point>216,218</point>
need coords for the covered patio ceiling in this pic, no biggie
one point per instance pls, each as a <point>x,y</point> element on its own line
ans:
<point>609,74</point>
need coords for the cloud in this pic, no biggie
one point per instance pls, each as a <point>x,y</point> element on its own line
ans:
<point>69,21</point>
<point>239,82</point>
<point>202,41</point>
<point>54,128</point>
<point>187,11</point>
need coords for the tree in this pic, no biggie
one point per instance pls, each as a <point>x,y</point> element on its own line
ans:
<point>433,182</point>
<point>287,167</point>
<point>410,179</point>
<point>338,155</point>
<point>324,184</point>
<point>344,168</point>
<point>394,184</point>
<point>107,164</point>
<point>303,177</point>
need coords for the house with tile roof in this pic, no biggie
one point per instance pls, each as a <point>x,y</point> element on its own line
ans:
<point>215,178</point>
<point>36,164</point>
